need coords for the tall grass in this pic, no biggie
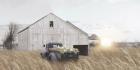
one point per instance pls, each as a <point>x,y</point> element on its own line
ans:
<point>98,59</point>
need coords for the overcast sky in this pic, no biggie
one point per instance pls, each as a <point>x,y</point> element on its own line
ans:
<point>115,19</point>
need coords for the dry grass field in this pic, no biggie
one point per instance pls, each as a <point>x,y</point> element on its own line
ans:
<point>98,59</point>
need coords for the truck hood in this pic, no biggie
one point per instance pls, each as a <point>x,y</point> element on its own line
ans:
<point>63,50</point>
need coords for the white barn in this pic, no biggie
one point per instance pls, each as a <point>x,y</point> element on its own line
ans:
<point>51,28</point>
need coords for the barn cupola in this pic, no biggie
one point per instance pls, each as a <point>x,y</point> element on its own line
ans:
<point>51,24</point>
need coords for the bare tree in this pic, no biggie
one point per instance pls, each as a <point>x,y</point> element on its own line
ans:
<point>8,43</point>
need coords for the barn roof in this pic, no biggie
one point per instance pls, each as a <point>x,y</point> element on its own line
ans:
<point>57,17</point>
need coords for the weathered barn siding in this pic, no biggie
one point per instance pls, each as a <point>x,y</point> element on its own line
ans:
<point>23,40</point>
<point>41,33</point>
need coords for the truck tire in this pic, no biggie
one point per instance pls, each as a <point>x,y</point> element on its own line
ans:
<point>76,57</point>
<point>53,57</point>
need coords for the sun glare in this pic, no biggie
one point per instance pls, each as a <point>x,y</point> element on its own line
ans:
<point>106,42</point>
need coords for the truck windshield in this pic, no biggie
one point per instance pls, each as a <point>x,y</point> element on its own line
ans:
<point>54,45</point>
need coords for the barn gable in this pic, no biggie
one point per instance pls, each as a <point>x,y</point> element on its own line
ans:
<point>51,14</point>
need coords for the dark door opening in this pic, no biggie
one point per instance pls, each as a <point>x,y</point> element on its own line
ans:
<point>83,49</point>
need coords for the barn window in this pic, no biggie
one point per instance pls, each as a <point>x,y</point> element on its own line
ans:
<point>51,24</point>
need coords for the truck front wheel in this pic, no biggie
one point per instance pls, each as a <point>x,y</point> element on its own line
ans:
<point>53,57</point>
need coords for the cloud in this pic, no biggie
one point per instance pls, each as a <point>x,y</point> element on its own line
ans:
<point>13,3</point>
<point>68,3</point>
<point>117,1</point>
<point>111,1</point>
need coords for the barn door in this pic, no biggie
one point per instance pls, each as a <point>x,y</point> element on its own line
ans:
<point>83,49</point>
